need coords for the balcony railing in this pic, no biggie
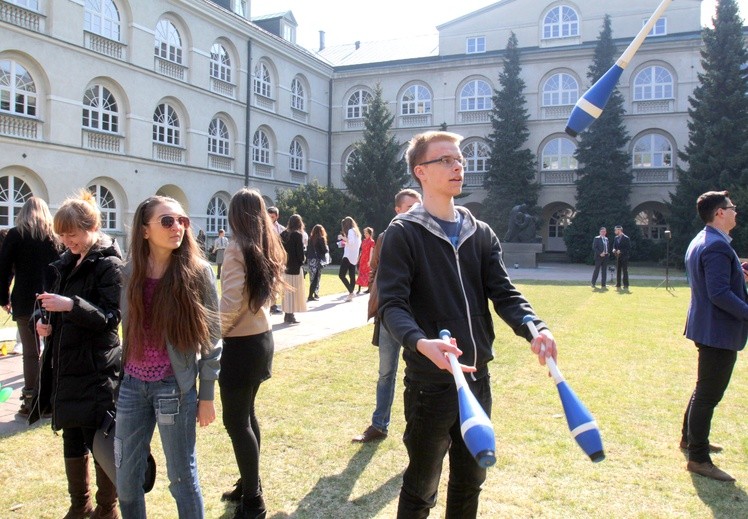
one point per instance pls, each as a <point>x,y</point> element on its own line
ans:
<point>20,127</point>
<point>556,112</point>
<point>222,87</point>
<point>474,179</point>
<point>300,115</point>
<point>655,176</point>
<point>558,177</point>
<point>21,17</point>
<point>220,163</point>
<point>169,68</point>
<point>476,116</point>
<point>298,177</point>
<point>413,121</point>
<point>264,102</point>
<point>262,170</point>
<point>104,45</point>
<point>99,141</point>
<point>167,153</point>
<point>654,106</point>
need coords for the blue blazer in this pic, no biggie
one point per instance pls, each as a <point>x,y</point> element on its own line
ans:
<point>718,313</point>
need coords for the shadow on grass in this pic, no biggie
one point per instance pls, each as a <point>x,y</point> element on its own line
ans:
<point>726,500</point>
<point>333,492</point>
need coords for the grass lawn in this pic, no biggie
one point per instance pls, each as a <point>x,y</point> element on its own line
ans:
<point>623,353</point>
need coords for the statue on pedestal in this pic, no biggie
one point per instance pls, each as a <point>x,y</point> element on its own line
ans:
<point>522,226</point>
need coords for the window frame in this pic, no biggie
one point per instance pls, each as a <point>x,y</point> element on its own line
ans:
<point>219,137</point>
<point>167,128</point>
<point>562,95</point>
<point>658,157</point>
<point>220,63</point>
<point>562,26</point>
<point>558,161</point>
<point>216,215</point>
<point>477,101</point>
<point>419,104</point>
<point>296,156</point>
<point>262,86</point>
<point>168,45</point>
<point>105,112</point>
<point>18,89</point>
<point>10,206</point>
<point>358,108</point>
<point>261,148</point>
<point>107,24</point>
<point>298,95</point>
<point>475,45</point>
<point>654,89</point>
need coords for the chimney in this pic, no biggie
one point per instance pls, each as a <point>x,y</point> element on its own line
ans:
<point>321,41</point>
<point>358,45</point>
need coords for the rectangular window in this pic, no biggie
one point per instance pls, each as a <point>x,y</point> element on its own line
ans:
<point>476,44</point>
<point>659,29</point>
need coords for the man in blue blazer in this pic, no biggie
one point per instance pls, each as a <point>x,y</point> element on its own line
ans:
<point>601,251</point>
<point>717,322</point>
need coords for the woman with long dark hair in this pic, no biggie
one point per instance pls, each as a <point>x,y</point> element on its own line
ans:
<point>26,251</point>
<point>171,337</point>
<point>293,241</point>
<point>252,273</point>
<point>351,244</point>
<point>317,251</point>
<point>81,362</point>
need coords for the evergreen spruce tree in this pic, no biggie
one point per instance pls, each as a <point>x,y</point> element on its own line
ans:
<point>510,179</point>
<point>604,183</point>
<point>376,172</point>
<point>717,149</point>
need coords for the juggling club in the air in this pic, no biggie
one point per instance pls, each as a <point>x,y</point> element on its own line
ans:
<point>591,104</point>
<point>475,425</point>
<point>582,425</point>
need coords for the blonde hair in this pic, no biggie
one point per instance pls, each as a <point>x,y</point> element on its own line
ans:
<point>78,213</point>
<point>35,220</point>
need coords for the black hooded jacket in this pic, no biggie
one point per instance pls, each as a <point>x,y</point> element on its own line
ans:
<point>82,356</point>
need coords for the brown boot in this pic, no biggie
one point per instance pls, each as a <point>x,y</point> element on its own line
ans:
<point>79,481</point>
<point>106,496</point>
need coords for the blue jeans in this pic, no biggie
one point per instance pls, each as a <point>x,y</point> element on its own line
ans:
<point>433,428</point>
<point>140,406</point>
<point>389,353</point>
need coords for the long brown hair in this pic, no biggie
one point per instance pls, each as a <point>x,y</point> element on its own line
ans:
<point>35,220</point>
<point>264,256</point>
<point>177,312</point>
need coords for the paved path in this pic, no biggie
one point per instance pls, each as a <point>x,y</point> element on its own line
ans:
<point>326,317</point>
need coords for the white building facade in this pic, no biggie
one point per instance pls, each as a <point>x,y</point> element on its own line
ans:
<point>188,98</point>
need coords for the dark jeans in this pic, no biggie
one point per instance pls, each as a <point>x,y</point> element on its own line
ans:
<point>245,363</point>
<point>31,352</point>
<point>347,269</point>
<point>315,274</point>
<point>601,263</point>
<point>714,372</point>
<point>433,429</point>
<point>77,441</point>
<point>622,268</point>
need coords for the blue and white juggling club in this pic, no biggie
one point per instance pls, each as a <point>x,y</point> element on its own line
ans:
<point>591,104</point>
<point>475,425</point>
<point>582,425</point>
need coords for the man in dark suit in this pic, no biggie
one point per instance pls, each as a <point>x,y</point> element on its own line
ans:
<point>622,251</point>
<point>717,323</point>
<point>600,248</point>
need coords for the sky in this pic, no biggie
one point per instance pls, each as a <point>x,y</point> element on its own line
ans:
<point>346,21</point>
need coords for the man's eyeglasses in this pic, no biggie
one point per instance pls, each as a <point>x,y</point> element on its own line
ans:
<point>167,221</point>
<point>447,161</point>
<point>733,207</point>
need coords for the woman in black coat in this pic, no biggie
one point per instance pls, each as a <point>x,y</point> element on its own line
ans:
<point>81,361</point>
<point>26,251</point>
<point>293,241</point>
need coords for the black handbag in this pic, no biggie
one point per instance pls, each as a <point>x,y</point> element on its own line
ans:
<point>103,451</point>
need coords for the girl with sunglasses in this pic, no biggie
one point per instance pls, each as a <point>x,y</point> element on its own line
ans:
<point>79,313</point>
<point>171,337</point>
<point>252,273</point>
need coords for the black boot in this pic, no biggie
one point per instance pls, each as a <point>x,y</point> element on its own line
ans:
<point>251,509</point>
<point>235,494</point>
<point>290,319</point>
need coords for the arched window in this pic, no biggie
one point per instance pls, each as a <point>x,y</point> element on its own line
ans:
<point>100,110</point>
<point>558,154</point>
<point>351,158</point>
<point>561,22</point>
<point>166,129</point>
<point>220,63</point>
<point>416,100</point>
<point>262,84</point>
<point>17,89</point>
<point>13,194</point>
<point>296,156</point>
<point>560,90</point>
<point>218,138</point>
<point>261,148</point>
<point>107,206</point>
<point>298,95</point>
<point>651,223</point>
<point>559,221</point>
<point>168,42</point>
<point>102,17</point>
<point>653,151</point>
<point>358,104</point>
<point>475,95</point>
<point>217,215</point>
<point>653,83</point>
<point>476,155</point>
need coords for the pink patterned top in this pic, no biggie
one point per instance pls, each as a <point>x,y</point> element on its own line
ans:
<point>154,365</point>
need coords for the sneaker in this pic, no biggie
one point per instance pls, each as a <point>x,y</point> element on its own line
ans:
<point>349,298</point>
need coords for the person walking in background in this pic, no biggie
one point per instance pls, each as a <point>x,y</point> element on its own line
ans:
<point>622,251</point>
<point>717,323</point>
<point>26,251</point>
<point>219,248</point>
<point>79,316</point>
<point>600,250</point>
<point>439,268</point>
<point>363,263</point>
<point>274,214</point>
<point>351,243</point>
<point>171,337</point>
<point>389,349</point>
<point>317,252</point>
<point>201,240</point>
<point>293,297</point>
<point>253,269</point>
